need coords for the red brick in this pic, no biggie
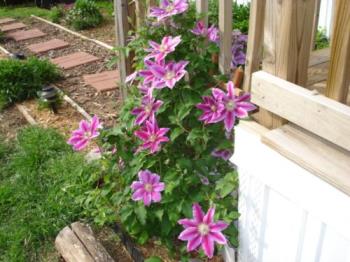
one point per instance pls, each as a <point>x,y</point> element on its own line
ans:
<point>25,34</point>
<point>103,81</point>
<point>73,60</point>
<point>13,26</point>
<point>6,20</point>
<point>47,46</point>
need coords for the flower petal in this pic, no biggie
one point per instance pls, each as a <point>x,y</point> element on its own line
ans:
<point>208,246</point>
<point>189,233</point>
<point>198,214</point>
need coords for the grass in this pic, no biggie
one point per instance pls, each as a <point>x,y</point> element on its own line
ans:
<point>23,11</point>
<point>40,178</point>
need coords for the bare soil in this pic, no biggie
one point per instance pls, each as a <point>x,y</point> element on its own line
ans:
<point>11,120</point>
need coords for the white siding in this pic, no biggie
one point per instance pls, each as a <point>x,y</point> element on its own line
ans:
<point>287,214</point>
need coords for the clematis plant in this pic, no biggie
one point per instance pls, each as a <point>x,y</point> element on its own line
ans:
<point>169,129</point>
<point>212,33</point>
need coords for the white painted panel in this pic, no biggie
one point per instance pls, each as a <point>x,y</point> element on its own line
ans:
<point>287,214</point>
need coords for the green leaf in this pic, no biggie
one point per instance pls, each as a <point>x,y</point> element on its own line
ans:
<point>141,213</point>
<point>142,239</point>
<point>175,133</point>
<point>227,184</point>
<point>153,259</point>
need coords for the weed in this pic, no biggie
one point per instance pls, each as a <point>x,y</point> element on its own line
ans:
<point>85,14</point>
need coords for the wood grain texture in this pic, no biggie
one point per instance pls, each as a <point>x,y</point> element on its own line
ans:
<point>312,111</point>
<point>339,71</point>
<point>225,28</point>
<point>71,248</point>
<point>287,43</point>
<point>255,41</point>
<point>318,156</point>
<point>202,8</point>
<point>86,236</point>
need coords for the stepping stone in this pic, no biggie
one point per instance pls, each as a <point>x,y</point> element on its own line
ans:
<point>10,27</point>
<point>73,60</point>
<point>25,34</point>
<point>6,20</point>
<point>47,46</point>
<point>103,81</point>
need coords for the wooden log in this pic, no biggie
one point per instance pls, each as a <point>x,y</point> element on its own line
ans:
<point>86,236</point>
<point>323,116</point>
<point>225,27</point>
<point>71,248</point>
<point>313,153</point>
<point>287,41</point>
<point>24,110</point>
<point>255,41</point>
<point>339,71</point>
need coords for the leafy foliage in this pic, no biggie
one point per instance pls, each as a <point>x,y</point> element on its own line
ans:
<point>56,14</point>
<point>85,14</point>
<point>322,41</point>
<point>183,162</point>
<point>240,17</point>
<point>37,192</point>
<point>20,80</point>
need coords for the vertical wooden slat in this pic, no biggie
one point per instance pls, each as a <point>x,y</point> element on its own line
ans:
<point>202,8</point>
<point>122,28</point>
<point>339,71</point>
<point>141,12</point>
<point>255,41</point>
<point>287,44</point>
<point>225,27</point>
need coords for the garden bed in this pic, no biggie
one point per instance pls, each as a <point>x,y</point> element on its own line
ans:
<point>92,101</point>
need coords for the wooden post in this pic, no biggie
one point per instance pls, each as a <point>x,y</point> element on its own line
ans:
<point>225,27</point>
<point>339,70</point>
<point>287,44</point>
<point>141,12</point>
<point>255,41</point>
<point>122,28</point>
<point>202,8</point>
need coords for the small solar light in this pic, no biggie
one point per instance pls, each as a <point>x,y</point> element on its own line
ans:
<point>19,56</point>
<point>49,95</point>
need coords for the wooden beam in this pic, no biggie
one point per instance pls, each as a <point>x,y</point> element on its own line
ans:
<point>339,71</point>
<point>225,27</point>
<point>255,41</point>
<point>202,8</point>
<point>287,44</point>
<point>324,159</point>
<point>122,29</point>
<point>315,23</point>
<point>310,110</point>
<point>141,12</point>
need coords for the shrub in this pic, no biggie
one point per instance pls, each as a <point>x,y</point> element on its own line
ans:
<point>56,14</point>
<point>322,41</point>
<point>20,80</point>
<point>37,196</point>
<point>85,14</point>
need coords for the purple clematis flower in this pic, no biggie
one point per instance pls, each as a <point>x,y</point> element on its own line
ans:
<point>202,230</point>
<point>152,136</point>
<point>160,51</point>
<point>239,45</point>
<point>148,188</point>
<point>85,133</point>
<point>212,33</point>
<point>168,8</point>
<point>168,75</point>
<point>212,110</point>
<point>147,110</point>
<point>225,154</point>
<point>234,106</point>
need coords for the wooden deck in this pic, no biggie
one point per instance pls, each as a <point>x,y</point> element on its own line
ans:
<point>318,71</point>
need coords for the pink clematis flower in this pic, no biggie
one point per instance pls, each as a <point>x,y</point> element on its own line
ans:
<point>85,133</point>
<point>212,33</point>
<point>147,110</point>
<point>168,8</point>
<point>152,136</point>
<point>234,106</point>
<point>160,51</point>
<point>212,110</point>
<point>148,188</point>
<point>168,75</point>
<point>202,230</point>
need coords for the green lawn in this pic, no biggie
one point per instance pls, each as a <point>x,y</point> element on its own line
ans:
<point>23,11</point>
<point>40,178</point>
